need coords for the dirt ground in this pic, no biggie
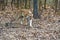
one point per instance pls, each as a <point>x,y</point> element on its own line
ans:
<point>41,30</point>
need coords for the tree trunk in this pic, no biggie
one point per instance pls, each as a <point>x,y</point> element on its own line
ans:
<point>17,3</point>
<point>59,5</point>
<point>29,3</point>
<point>35,9</point>
<point>45,4</point>
<point>25,3</point>
<point>40,4</point>
<point>56,4</point>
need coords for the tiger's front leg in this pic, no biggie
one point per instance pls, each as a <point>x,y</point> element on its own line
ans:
<point>29,21</point>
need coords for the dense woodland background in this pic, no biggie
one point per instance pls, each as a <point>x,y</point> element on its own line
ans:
<point>37,7</point>
<point>29,4</point>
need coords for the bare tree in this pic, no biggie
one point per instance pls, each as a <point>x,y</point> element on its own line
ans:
<point>45,4</point>
<point>25,3</point>
<point>56,4</point>
<point>59,4</point>
<point>35,9</point>
<point>2,4</point>
<point>40,4</point>
<point>17,3</point>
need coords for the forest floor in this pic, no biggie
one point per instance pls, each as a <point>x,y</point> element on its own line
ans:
<point>41,30</point>
<point>46,28</point>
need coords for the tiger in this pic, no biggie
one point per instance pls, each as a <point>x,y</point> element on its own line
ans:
<point>24,18</point>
